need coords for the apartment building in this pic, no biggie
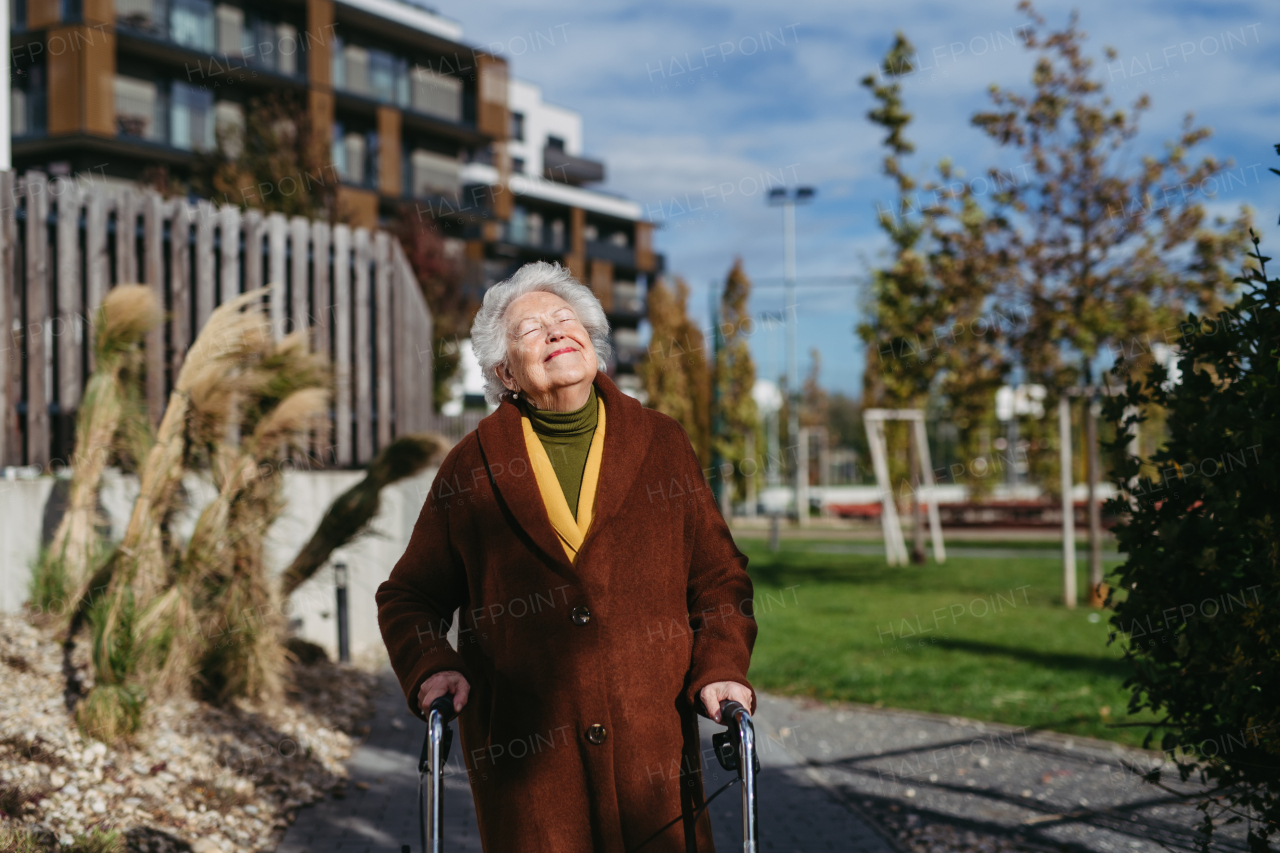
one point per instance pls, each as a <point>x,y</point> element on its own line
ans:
<point>411,116</point>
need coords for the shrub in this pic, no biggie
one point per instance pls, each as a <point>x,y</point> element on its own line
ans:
<point>1197,603</point>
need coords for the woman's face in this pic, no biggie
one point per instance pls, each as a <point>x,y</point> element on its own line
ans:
<point>548,350</point>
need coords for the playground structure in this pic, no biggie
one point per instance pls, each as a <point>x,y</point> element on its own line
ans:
<point>962,512</point>
<point>895,547</point>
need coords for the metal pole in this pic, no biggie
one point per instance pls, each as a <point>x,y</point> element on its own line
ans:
<point>1067,481</point>
<point>340,583</point>
<point>793,368</point>
<point>747,772</point>
<point>1095,510</point>
<point>6,137</point>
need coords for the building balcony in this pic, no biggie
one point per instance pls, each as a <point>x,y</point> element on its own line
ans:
<point>619,256</point>
<point>568,169</point>
<point>628,356</point>
<point>627,302</point>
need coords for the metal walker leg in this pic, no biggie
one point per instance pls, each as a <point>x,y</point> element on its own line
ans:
<point>736,750</point>
<point>435,752</point>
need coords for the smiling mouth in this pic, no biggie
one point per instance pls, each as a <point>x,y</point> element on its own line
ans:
<point>559,352</point>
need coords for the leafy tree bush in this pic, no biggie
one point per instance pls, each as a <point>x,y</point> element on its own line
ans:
<point>1197,602</point>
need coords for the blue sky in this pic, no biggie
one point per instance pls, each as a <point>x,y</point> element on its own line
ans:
<point>700,104</point>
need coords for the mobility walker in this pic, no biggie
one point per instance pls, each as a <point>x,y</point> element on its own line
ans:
<point>735,749</point>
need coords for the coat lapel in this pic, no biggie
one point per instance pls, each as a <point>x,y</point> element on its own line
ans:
<point>626,444</point>
<point>502,443</point>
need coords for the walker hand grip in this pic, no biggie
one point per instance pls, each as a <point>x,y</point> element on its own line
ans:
<point>729,710</point>
<point>443,706</point>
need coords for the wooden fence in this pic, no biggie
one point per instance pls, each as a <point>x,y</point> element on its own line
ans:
<point>64,243</point>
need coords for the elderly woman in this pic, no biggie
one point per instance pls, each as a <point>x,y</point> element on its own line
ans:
<point>601,597</point>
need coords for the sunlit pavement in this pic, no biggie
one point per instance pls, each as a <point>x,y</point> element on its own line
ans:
<point>796,813</point>
<point>932,783</point>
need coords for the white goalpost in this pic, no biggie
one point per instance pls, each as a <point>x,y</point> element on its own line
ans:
<point>895,547</point>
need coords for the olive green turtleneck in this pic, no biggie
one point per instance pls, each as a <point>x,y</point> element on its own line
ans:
<point>566,436</point>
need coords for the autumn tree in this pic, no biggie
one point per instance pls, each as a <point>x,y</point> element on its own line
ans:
<point>734,415</point>
<point>676,377</point>
<point>453,307</point>
<point>272,162</point>
<point>949,253</point>
<point>1112,249</point>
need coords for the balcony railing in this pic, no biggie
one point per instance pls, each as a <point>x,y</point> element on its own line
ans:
<point>243,39</point>
<point>627,301</point>
<point>569,169</point>
<point>623,256</point>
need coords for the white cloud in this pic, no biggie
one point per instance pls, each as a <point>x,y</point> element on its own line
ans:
<point>800,107</point>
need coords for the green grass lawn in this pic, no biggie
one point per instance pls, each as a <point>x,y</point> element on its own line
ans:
<point>986,639</point>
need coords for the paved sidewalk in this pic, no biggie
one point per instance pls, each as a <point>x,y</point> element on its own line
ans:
<point>946,784</point>
<point>796,814</point>
<point>832,779</point>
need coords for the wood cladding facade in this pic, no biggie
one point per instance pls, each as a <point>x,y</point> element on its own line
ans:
<point>81,66</point>
<point>390,181</point>
<point>319,41</point>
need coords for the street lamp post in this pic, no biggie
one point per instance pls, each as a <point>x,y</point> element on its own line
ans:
<point>787,200</point>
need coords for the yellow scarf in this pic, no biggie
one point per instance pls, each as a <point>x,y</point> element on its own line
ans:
<point>571,532</point>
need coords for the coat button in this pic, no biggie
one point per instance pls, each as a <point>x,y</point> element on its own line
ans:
<point>596,734</point>
<point>581,615</point>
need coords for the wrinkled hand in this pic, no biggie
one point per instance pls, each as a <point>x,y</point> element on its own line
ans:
<point>440,684</point>
<point>713,694</point>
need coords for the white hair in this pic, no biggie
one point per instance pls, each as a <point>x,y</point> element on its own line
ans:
<point>489,340</point>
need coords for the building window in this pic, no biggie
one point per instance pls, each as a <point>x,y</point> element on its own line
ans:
<point>518,226</point>
<point>355,156</point>
<point>27,95</point>
<point>287,48</point>
<point>517,126</point>
<point>557,235</point>
<point>533,233</point>
<point>388,78</point>
<point>191,118</point>
<point>191,24</point>
<point>339,70</point>
<point>136,108</point>
<point>555,142</point>
<point>517,165</point>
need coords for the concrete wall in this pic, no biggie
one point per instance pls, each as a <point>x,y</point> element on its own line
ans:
<point>30,509</point>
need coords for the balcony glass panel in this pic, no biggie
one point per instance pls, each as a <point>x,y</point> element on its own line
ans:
<point>357,76</point>
<point>437,94</point>
<point>136,114</point>
<point>230,22</point>
<point>432,174</point>
<point>146,15</point>
<point>191,24</point>
<point>27,96</point>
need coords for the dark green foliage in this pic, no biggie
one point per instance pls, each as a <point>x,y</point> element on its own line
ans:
<point>351,511</point>
<point>1198,599</point>
<point>113,709</point>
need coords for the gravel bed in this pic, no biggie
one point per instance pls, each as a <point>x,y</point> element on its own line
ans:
<point>196,778</point>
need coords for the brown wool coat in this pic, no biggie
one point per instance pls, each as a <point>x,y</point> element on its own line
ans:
<point>669,612</point>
